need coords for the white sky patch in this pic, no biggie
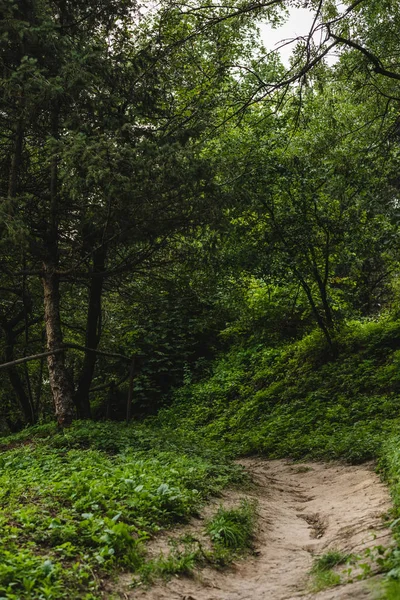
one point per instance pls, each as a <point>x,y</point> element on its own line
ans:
<point>298,24</point>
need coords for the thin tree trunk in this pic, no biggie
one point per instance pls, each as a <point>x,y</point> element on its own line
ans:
<point>93,334</point>
<point>307,289</point>
<point>322,283</point>
<point>16,161</point>
<point>320,321</point>
<point>27,310</point>
<point>25,400</point>
<point>38,394</point>
<point>60,384</point>
<point>16,381</point>
<point>130,391</point>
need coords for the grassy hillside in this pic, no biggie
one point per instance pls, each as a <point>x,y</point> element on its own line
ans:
<point>295,401</point>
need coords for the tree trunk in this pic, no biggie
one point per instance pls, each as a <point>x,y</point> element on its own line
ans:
<point>130,392</point>
<point>324,299</point>
<point>60,384</point>
<point>16,381</point>
<point>40,378</point>
<point>16,161</point>
<point>93,334</point>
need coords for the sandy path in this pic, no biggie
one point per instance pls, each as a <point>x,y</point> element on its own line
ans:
<point>304,510</point>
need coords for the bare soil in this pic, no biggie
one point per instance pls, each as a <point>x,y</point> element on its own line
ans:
<point>303,512</point>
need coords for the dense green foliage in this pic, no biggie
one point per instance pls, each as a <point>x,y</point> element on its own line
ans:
<point>295,400</point>
<point>78,505</point>
<point>194,234</point>
<point>144,185</point>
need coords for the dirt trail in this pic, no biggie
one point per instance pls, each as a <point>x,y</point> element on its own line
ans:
<point>304,510</point>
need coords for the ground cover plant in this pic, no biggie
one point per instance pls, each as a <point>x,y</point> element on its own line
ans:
<point>295,400</point>
<point>233,528</point>
<point>72,513</point>
<point>389,465</point>
<point>231,531</point>
<point>80,503</point>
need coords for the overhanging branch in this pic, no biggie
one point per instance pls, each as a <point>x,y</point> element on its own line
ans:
<point>376,62</point>
<point>25,359</point>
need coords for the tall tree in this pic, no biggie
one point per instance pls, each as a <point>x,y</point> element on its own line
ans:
<point>103,117</point>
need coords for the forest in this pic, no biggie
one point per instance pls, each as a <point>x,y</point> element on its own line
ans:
<point>199,295</point>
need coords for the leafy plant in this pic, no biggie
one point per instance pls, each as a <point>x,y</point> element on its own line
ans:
<point>183,557</point>
<point>79,505</point>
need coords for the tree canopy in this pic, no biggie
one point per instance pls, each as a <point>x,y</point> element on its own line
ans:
<point>158,165</point>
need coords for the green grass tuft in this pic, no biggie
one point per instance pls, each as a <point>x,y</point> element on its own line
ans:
<point>331,559</point>
<point>233,528</point>
<point>324,579</point>
<point>183,557</point>
<point>322,572</point>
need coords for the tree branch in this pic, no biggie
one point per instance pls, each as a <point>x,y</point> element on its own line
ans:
<point>64,347</point>
<point>378,66</point>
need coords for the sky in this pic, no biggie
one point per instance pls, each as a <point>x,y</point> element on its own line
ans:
<point>298,23</point>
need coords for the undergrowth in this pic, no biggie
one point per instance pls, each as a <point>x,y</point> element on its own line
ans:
<point>390,468</point>
<point>184,555</point>
<point>331,559</point>
<point>295,400</point>
<point>322,573</point>
<point>233,528</point>
<point>77,506</point>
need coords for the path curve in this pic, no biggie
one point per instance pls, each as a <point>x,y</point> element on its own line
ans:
<point>304,510</point>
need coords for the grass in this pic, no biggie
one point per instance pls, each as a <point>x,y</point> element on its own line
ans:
<point>75,508</point>
<point>322,580</point>
<point>330,560</point>
<point>392,590</point>
<point>231,532</point>
<point>389,466</point>
<point>183,557</point>
<point>322,573</point>
<point>233,528</point>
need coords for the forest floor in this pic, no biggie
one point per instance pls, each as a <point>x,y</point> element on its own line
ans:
<point>304,511</point>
